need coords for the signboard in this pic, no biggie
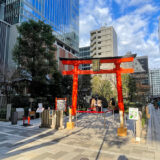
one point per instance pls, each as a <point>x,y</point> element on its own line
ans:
<point>61,104</point>
<point>133,113</point>
<point>96,65</point>
<point>40,108</point>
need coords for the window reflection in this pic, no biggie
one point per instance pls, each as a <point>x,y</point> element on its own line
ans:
<point>62,15</point>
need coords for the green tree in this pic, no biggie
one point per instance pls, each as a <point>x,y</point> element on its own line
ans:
<point>34,53</point>
<point>132,88</point>
<point>101,87</point>
<point>125,85</point>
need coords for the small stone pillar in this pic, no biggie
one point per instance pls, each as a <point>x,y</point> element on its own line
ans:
<point>59,120</point>
<point>139,126</point>
<point>52,119</point>
<point>8,114</point>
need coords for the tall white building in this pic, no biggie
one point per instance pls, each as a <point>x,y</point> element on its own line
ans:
<point>103,42</point>
<point>154,82</point>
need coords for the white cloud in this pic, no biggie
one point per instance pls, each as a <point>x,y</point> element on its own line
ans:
<point>138,2</point>
<point>92,17</point>
<point>126,3</point>
<point>132,28</point>
<point>146,9</point>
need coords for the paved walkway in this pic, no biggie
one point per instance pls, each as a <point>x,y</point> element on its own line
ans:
<point>153,135</point>
<point>91,140</point>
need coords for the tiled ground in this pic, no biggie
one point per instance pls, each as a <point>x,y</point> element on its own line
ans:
<point>91,139</point>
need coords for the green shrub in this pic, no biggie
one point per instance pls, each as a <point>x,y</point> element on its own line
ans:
<point>3,113</point>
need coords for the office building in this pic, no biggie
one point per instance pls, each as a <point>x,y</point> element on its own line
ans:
<point>4,46</point>
<point>2,5</point>
<point>140,75</point>
<point>84,52</point>
<point>159,33</point>
<point>61,15</point>
<point>103,43</point>
<point>154,82</point>
<point>84,84</point>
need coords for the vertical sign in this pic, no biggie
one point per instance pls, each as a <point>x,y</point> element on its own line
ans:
<point>133,113</point>
<point>96,65</point>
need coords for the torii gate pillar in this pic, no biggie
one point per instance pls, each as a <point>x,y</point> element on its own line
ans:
<point>74,90</point>
<point>122,131</point>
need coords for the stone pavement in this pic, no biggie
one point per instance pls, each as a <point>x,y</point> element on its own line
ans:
<point>90,140</point>
<point>153,134</point>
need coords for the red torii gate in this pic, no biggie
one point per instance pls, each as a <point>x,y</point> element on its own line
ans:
<point>117,70</point>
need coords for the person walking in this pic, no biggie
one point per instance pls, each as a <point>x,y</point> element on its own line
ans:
<point>112,104</point>
<point>158,104</point>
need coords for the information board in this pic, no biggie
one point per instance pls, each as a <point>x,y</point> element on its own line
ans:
<point>133,113</point>
<point>61,104</point>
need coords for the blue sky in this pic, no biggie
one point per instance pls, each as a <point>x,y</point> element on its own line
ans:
<point>135,22</point>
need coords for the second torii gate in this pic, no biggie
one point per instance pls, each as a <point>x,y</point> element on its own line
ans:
<point>117,70</point>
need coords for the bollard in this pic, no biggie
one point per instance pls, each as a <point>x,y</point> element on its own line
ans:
<point>29,120</point>
<point>147,112</point>
<point>70,124</point>
<point>61,126</point>
<point>139,126</point>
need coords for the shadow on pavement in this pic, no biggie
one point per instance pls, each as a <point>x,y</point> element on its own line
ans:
<point>122,157</point>
<point>36,138</point>
<point>107,135</point>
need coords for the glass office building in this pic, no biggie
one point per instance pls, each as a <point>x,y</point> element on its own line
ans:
<point>84,52</point>
<point>159,33</point>
<point>62,15</point>
<point>4,46</point>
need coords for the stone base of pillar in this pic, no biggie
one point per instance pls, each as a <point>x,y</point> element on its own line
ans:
<point>122,131</point>
<point>60,128</point>
<point>70,125</point>
<point>138,139</point>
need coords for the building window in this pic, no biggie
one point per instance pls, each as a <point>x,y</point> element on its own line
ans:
<point>99,37</point>
<point>99,54</point>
